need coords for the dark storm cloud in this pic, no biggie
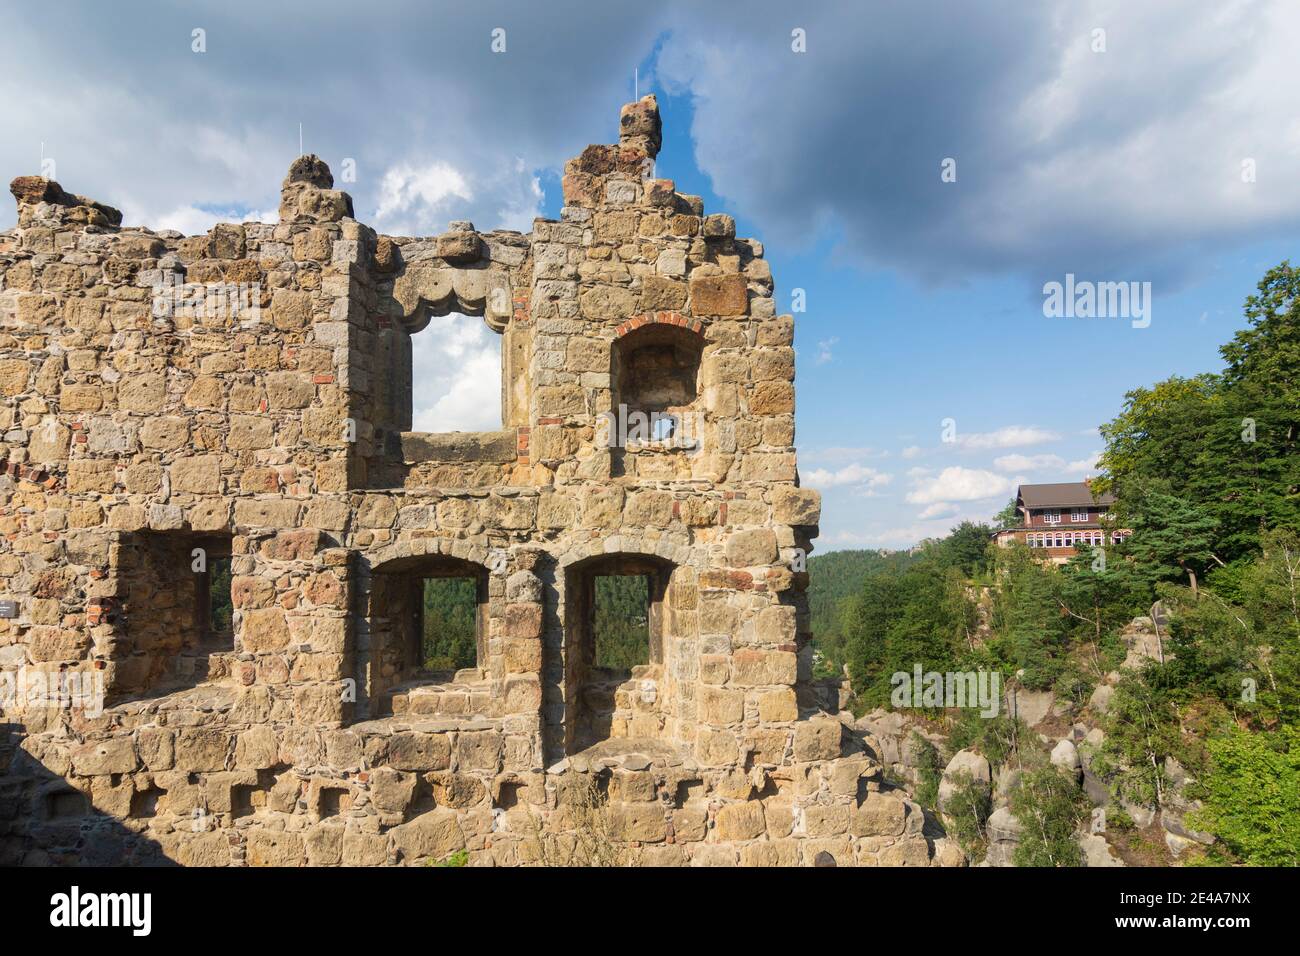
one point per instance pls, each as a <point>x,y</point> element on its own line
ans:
<point>133,116</point>
<point>1068,159</point>
<point>1122,164</point>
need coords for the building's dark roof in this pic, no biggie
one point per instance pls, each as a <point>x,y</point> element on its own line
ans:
<point>1065,494</point>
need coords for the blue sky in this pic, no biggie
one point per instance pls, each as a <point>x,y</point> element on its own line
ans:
<point>884,359</point>
<point>1090,137</point>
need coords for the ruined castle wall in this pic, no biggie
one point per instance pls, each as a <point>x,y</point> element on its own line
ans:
<point>282,435</point>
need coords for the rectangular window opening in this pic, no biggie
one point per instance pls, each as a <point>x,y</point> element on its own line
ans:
<point>621,621</point>
<point>214,605</point>
<point>448,625</point>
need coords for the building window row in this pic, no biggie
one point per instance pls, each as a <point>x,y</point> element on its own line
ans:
<point>1070,539</point>
<point>1077,516</point>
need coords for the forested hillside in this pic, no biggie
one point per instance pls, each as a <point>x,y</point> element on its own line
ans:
<point>832,578</point>
<point>1194,720</point>
<point>836,582</point>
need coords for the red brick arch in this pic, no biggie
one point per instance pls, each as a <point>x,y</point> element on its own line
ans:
<point>659,318</point>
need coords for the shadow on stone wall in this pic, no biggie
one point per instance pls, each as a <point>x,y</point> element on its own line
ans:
<point>45,821</point>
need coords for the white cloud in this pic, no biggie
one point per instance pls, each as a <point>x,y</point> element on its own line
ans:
<point>457,376</point>
<point>193,221</point>
<point>1010,436</point>
<point>854,474</point>
<point>1018,462</point>
<point>940,509</point>
<point>520,200</point>
<point>211,137</point>
<point>911,451</point>
<point>825,350</point>
<point>420,200</point>
<point>960,484</point>
<point>1087,464</point>
<point>419,196</point>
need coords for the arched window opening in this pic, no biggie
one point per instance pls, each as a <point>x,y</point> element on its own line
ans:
<point>656,380</point>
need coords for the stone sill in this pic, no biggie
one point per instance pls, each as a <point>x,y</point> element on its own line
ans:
<point>500,447</point>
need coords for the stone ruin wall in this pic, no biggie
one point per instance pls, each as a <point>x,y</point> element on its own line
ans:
<point>281,436</point>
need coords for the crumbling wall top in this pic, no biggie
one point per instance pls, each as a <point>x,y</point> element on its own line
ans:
<point>41,198</point>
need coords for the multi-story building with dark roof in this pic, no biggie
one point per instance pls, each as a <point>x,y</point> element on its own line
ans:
<point>1056,518</point>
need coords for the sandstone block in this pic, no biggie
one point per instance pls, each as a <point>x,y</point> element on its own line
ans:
<point>200,475</point>
<point>721,706</point>
<point>419,751</point>
<point>274,848</point>
<point>91,475</point>
<point>115,755</point>
<point>478,750</point>
<point>817,739</point>
<point>638,821</point>
<point>263,629</point>
<point>142,393</point>
<point>201,749</point>
<point>434,835</point>
<point>722,295</point>
<point>740,821</point>
<point>796,506</point>
<point>879,815</point>
<point>823,821</point>
<point>756,546</point>
<point>289,390</point>
<point>913,852</point>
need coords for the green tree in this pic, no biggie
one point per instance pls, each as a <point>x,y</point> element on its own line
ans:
<point>450,623</point>
<point>621,619</point>
<point>1050,807</point>
<point>1142,731</point>
<point>966,548</point>
<point>967,810</point>
<point>1157,435</point>
<point>1251,795</point>
<point>833,579</point>
<point>1009,517</point>
<point>929,770</point>
<point>1170,533</point>
<point>1226,442</point>
<point>1272,595</point>
<point>1100,591</point>
<point>897,621</point>
<point>1028,624</point>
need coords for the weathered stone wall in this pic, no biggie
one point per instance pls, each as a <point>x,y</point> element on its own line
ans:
<point>136,435</point>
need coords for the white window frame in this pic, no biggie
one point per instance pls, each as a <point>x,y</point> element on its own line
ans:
<point>1079,517</point>
<point>1052,517</point>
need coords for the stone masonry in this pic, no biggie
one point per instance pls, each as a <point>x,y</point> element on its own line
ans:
<point>246,394</point>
